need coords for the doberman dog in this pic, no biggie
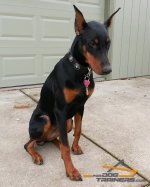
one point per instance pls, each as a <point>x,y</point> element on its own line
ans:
<point>66,90</point>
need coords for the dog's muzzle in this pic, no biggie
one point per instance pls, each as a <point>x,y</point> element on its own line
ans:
<point>106,70</point>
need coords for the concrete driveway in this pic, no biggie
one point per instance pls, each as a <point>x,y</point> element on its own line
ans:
<point>116,127</point>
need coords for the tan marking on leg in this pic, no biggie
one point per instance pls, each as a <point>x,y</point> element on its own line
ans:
<point>71,171</point>
<point>36,157</point>
<point>77,133</point>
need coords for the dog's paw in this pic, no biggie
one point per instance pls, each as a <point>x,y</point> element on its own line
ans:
<point>76,150</point>
<point>37,159</point>
<point>74,175</point>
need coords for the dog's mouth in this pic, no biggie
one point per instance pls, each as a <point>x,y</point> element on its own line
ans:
<point>93,63</point>
<point>96,65</point>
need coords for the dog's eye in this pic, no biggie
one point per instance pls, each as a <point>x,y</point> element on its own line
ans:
<point>92,44</point>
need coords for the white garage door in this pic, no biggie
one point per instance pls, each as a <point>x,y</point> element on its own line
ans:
<point>35,34</point>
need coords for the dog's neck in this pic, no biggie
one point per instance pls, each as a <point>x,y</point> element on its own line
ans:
<point>76,52</point>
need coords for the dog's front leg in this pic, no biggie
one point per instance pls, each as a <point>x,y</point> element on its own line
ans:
<point>71,171</point>
<point>76,149</point>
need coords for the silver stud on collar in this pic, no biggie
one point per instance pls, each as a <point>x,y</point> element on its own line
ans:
<point>77,66</point>
<point>71,58</point>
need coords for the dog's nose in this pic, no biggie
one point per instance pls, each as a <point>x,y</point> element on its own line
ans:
<point>106,70</point>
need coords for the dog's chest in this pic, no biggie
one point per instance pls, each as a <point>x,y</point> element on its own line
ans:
<point>77,95</point>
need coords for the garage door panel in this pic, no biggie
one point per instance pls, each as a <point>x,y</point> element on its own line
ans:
<point>93,10</point>
<point>61,5</point>
<point>55,28</point>
<point>46,4</point>
<point>15,26</point>
<point>35,34</point>
<point>53,13</point>
<point>89,2</point>
<point>56,43</point>
<point>53,51</point>
<point>23,64</point>
<point>18,66</point>
<point>16,10</point>
<point>23,80</point>
<point>29,51</point>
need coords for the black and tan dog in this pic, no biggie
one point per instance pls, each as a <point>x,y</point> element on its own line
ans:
<point>66,90</point>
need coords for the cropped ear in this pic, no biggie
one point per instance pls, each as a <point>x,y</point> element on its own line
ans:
<point>80,22</point>
<point>109,20</point>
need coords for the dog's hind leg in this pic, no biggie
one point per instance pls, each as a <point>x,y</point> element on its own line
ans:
<point>36,131</point>
<point>36,157</point>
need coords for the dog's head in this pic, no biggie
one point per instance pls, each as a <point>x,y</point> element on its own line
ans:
<point>94,42</point>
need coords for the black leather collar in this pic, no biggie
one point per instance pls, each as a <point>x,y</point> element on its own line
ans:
<point>78,66</point>
<point>75,63</point>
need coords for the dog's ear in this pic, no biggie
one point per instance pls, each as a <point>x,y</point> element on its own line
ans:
<point>80,22</point>
<point>109,20</point>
